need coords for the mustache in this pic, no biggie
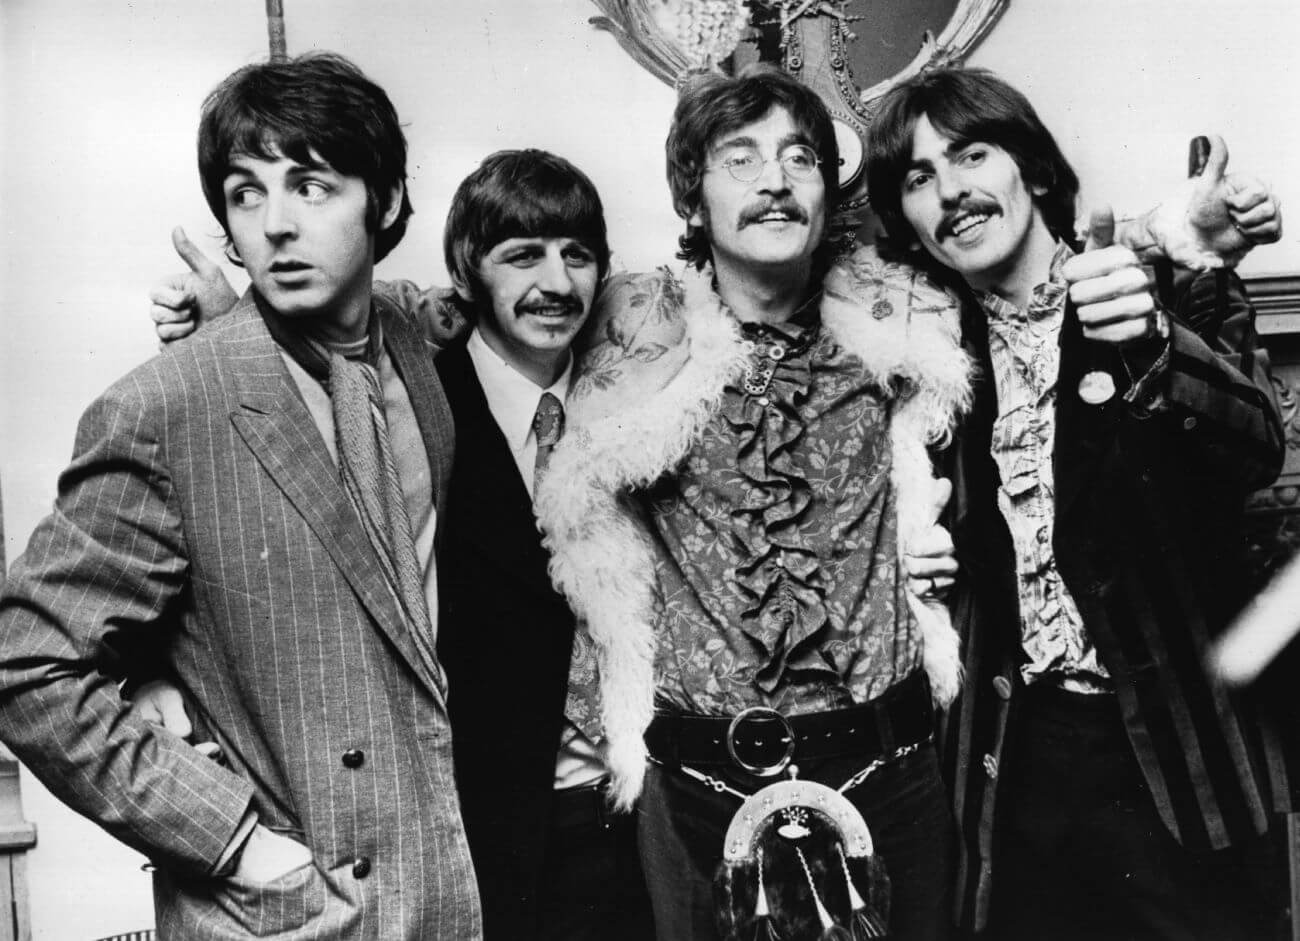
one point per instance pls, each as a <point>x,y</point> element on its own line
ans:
<point>966,207</point>
<point>566,303</point>
<point>753,214</point>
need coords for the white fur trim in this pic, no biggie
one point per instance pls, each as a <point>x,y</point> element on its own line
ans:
<point>600,559</point>
<point>905,327</point>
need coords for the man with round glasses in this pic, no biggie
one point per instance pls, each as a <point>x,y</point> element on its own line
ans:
<point>742,513</point>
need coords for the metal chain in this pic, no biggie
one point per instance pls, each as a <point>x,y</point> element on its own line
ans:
<point>722,787</point>
<point>878,763</point>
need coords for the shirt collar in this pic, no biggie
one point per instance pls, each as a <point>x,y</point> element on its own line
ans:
<point>511,396</point>
<point>1045,300</point>
<point>798,326</point>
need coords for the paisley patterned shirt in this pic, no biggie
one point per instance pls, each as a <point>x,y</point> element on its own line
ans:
<point>1025,349</point>
<point>778,581</point>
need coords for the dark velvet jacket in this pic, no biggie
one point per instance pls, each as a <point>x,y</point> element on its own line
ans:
<point>504,639</point>
<point>1148,541</point>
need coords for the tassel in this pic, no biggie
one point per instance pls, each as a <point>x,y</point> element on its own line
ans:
<point>864,923</point>
<point>764,930</point>
<point>830,930</point>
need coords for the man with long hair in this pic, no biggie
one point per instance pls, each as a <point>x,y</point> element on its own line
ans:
<point>1107,787</point>
<point>742,513</point>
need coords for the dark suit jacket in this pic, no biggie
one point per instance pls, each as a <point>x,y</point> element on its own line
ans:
<point>505,640</point>
<point>1148,542</point>
<point>203,519</point>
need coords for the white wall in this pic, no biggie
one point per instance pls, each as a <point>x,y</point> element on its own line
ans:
<point>1125,84</point>
<point>98,104</point>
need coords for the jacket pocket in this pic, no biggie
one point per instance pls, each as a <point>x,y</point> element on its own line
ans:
<point>303,903</point>
<point>269,908</point>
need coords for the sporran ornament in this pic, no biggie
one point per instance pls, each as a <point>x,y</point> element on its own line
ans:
<point>799,865</point>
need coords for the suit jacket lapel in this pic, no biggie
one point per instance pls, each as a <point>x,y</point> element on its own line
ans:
<point>413,358</point>
<point>278,428</point>
<point>492,504</point>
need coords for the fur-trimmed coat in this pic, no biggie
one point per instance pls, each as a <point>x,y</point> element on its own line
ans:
<point>664,352</point>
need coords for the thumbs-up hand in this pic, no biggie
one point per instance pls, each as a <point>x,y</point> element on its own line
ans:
<point>1215,218</point>
<point>180,302</point>
<point>1110,289</point>
<point>930,561</point>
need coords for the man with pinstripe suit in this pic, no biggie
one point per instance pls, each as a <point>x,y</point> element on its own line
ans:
<point>1098,488</point>
<point>255,511</point>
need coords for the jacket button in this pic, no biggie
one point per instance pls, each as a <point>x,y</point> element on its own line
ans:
<point>1189,423</point>
<point>354,758</point>
<point>361,867</point>
<point>1002,686</point>
<point>991,767</point>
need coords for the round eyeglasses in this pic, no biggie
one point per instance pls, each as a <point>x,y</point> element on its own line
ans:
<point>798,161</point>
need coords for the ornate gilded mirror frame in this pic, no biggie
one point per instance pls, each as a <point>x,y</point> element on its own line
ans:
<point>849,51</point>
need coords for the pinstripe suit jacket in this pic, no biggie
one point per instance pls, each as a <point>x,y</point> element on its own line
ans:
<point>202,522</point>
<point>1147,539</point>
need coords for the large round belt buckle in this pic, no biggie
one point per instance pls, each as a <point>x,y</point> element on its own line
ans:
<point>761,714</point>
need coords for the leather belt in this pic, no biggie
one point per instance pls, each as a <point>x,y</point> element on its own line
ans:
<point>585,807</point>
<point>763,738</point>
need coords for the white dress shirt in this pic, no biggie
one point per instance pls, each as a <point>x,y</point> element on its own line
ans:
<point>512,399</point>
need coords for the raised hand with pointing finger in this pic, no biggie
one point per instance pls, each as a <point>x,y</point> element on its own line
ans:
<point>182,301</point>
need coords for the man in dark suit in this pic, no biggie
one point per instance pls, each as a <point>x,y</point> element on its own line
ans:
<point>526,248</point>
<point>255,511</point>
<point>1098,486</point>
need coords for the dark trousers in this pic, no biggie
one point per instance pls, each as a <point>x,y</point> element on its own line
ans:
<point>1081,852</point>
<point>591,887</point>
<point>904,803</point>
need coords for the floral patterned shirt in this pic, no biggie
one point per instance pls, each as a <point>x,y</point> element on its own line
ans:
<point>778,581</point>
<point>1024,346</point>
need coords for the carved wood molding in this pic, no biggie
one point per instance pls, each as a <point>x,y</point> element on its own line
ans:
<point>1277,300</point>
<point>1274,512</point>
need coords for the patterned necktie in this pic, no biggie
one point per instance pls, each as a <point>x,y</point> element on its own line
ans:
<point>548,426</point>
<point>370,478</point>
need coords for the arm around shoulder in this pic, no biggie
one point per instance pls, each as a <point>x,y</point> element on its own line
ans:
<point>632,346</point>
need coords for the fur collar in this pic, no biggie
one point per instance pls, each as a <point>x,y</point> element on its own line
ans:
<point>633,422</point>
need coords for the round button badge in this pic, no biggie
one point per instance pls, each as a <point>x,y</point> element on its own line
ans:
<point>1096,387</point>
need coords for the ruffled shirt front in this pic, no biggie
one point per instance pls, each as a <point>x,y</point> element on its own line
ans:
<point>778,581</point>
<point>1025,349</point>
